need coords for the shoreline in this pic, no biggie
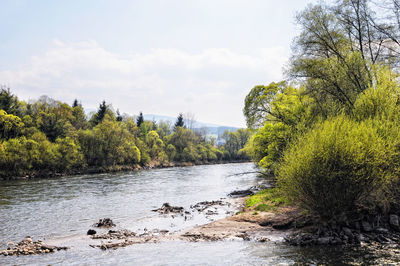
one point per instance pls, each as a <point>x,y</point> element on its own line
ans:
<point>242,226</point>
<point>245,225</point>
<point>48,174</point>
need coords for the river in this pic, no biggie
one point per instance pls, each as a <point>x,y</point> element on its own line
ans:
<point>63,209</point>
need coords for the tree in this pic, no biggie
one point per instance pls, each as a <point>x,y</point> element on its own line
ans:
<point>337,48</point>
<point>164,128</point>
<point>101,112</point>
<point>79,117</point>
<point>10,125</point>
<point>139,119</point>
<point>257,103</point>
<point>52,117</point>
<point>183,139</point>
<point>231,143</point>
<point>189,120</point>
<point>75,103</point>
<point>119,117</point>
<point>276,102</point>
<point>9,102</point>
<point>179,122</point>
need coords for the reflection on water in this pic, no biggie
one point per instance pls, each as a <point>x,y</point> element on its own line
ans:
<point>66,207</point>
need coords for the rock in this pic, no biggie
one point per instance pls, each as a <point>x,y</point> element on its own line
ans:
<point>91,232</point>
<point>265,223</point>
<point>106,222</point>
<point>240,193</point>
<point>29,247</point>
<point>167,208</point>
<point>262,239</point>
<point>366,226</point>
<point>201,206</point>
<point>210,212</point>
<point>119,234</point>
<point>394,221</point>
<point>47,247</point>
<point>282,225</point>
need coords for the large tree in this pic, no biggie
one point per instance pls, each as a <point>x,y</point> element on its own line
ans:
<point>337,48</point>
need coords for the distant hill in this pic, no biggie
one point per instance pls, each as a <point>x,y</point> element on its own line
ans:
<point>211,130</point>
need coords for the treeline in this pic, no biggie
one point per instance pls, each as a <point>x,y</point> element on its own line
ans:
<point>330,134</point>
<point>49,136</point>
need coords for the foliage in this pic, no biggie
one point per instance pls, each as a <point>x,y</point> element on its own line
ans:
<point>289,113</point>
<point>257,106</point>
<point>335,167</point>
<point>9,102</point>
<point>333,142</point>
<point>49,135</point>
<point>10,125</point>
<point>235,143</point>
<point>139,119</point>
<point>101,113</point>
<point>179,121</point>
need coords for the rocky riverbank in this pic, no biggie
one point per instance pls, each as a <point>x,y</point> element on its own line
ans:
<point>29,247</point>
<point>285,224</point>
<point>369,229</point>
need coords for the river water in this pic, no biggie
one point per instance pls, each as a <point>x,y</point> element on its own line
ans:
<point>61,210</point>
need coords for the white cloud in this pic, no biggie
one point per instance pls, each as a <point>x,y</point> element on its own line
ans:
<point>212,84</point>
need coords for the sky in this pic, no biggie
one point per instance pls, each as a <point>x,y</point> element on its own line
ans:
<point>158,57</point>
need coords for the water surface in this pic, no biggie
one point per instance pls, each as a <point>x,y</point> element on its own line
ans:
<point>63,209</point>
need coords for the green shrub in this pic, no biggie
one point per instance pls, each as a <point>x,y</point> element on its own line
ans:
<point>336,167</point>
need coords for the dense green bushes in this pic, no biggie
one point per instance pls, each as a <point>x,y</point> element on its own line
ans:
<point>49,135</point>
<point>342,164</point>
<point>333,143</point>
<point>335,167</point>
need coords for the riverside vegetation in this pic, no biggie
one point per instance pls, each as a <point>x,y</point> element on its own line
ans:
<point>329,136</point>
<point>48,137</point>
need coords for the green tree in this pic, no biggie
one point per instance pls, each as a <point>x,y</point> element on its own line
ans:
<point>10,125</point>
<point>9,102</point>
<point>257,108</point>
<point>79,120</point>
<point>119,116</point>
<point>139,119</point>
<point>70,153</point>
<point>183,138</point>
<point>336,50</point>
<point>75,103</point>
<point>101,112</point>
<point>179,122</point>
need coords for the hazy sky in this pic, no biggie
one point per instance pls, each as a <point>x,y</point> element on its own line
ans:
<point>159,57</point>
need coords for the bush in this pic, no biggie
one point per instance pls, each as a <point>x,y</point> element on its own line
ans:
<point>335,167</point>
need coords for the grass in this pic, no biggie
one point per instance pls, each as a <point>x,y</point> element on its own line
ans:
<point>266,200</point>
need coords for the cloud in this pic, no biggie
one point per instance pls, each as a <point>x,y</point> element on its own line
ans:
<point>212,83</point>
